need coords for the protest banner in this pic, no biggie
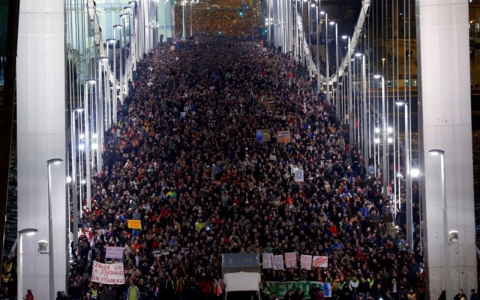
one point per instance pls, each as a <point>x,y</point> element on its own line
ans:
<point>298,175</point>
<point>267,259</point>
<point>278,262</point>
<point>320,261</point>
<point>281,288</point>
<point>184,250</point>
<point>108,273</point>
<point>306,262</point>
<point>134,224</point>
<point>263,135</point>
<point>291,260</point>
<point>157,253</point>
<point>283,136</point>
<point>114,252</point>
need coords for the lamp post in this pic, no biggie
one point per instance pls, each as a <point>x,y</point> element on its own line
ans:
<point>326,56</point>
<point>118,26</point>
<point>191,18</point>
<point>364,106</point>
<point>100,126</point>
<point>74,177</point>
<point>350,104</point>
<point>384,132</point>
<point>29,232</point>
<point>132,6</point>
<point>184,29</point>
<point>317,27</point>
<point>122,48</point>
<point>269,22</point>
<point>51,275</point>
<point>165,11</point>
<point>88,164</point>
<point>408,173</point>
<point>337,101</point>
<point>445,227</point>
<point>114,98</point>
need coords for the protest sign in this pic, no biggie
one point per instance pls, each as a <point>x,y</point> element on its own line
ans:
<point>134,224</point>
<point>283,136</point>
<point>114,252</point>
<point>306,262</point>
<point>108,273</point>
<point>267,259</point>
<point>291,260</point>
<point>263,135</point>
<point>278,262</point>
<point>298,175</point>
<point>320,261</point>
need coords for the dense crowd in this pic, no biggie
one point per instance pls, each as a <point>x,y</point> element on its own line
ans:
<point>216,19</point>
<point>184,159</point>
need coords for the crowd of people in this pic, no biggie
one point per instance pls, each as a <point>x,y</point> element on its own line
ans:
<point>215,19</point>
<point>184,158</point>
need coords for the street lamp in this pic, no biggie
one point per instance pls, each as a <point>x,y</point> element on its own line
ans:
<point>165,11</point>
<point>445,227</point>
<point>350,104</point>
<point>337,101</point>
<point>408,187</point>
<point>384,132</point>
<point>184,29</point>
<point>317,27</point>
<point>74,177</point>
<point>191,18</point>
<point>29,232</point>
<point>364,105</point>
<point>118,26</point>
<point>88,149</point>
<point>114,98</point>
<point>326,56</point>
<point>132,6</point>
<point>51,275</point>
<point>101,102</point>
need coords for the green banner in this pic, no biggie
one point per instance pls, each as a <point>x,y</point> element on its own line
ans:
<point>281,288</point>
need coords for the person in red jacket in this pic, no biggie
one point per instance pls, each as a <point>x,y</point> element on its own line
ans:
<point>205,286</point>
<point>29,295</point>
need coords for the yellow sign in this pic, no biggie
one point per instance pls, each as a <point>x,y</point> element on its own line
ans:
<point>134,224</point>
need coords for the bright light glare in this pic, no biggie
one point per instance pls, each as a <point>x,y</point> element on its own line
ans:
<point>94,136</point>
<point>376,141</point>
<point>82,136</point>
<point>83,181</point>
<point>81,146</point>
<point>415,173</point>
<point>69,179</point>
<point>399,175</point>
<point>94,146</point>
<point>31,233</point>
<point>377,130</point>
<point>389,129</point>
<point>390,140</point>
